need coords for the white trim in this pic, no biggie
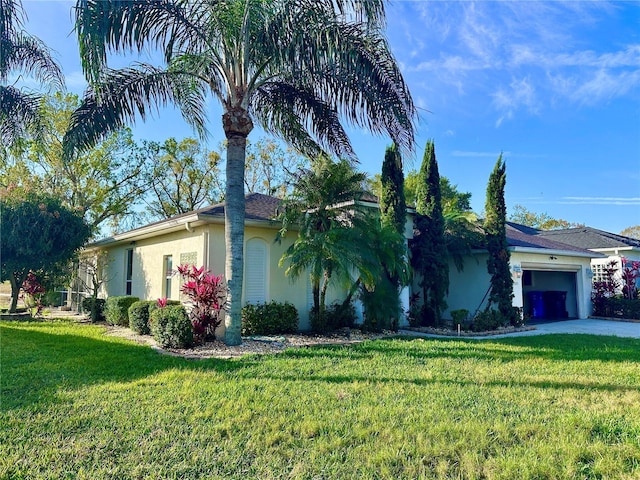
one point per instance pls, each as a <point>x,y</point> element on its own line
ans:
<point>551,267</point>
<point>550,251</point>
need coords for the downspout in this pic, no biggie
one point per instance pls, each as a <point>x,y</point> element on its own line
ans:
<point>187,225</point>
<point>205,250</point>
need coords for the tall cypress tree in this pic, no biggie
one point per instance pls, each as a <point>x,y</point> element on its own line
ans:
<point>428,249</point>
<point>393,206</point>
<point>495,228</point>
<point>382,304</point>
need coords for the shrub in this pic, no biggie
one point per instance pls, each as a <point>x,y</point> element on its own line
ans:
<point>154,305</point>
<point>337,315</point>
<point>269,318</point>
<point>51,299</point>
<point>461,317</point>
<point>139,316</point>
<point>94,307</point>
<point>620,307</point>
<point>33,293</point>
<point>413,314</point>
<point>171,327</point>
<point>116,310</point>
<point>486,320</point>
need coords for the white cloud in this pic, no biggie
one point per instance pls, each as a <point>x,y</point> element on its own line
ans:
<point>462,153</point>
<point>520,93</point>
<point>603,86</point>
<point>551,54</point>
<point>600,201</point>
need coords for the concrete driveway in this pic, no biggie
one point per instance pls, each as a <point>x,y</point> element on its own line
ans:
<point>589,326</point>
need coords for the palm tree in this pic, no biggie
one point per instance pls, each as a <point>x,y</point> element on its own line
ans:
<point>324,208</point>
<point>21,53</point>
<point>340,238</point>
<point>297,68</point>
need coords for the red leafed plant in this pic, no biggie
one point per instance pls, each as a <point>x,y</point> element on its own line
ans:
<point>207,295</point>
<point>630,274</point>
<point>32,288</point>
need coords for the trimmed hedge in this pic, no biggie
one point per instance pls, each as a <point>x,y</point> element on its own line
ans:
<point>139,317</point>
<point>140,314</point>
<point>171,327</point>
<point>619,307</point>
<point>153,305</point>
<point>94,307</point>
<point>116,310</point>
<point>269,318</point>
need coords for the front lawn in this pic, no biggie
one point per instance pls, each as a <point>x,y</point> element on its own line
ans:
<point>78,404</point>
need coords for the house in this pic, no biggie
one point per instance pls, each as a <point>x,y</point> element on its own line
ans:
<point>614,247</point>
<point>551,279</point>
<point>141,262</point>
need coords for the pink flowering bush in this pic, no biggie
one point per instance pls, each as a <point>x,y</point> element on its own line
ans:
<point>207,294</point>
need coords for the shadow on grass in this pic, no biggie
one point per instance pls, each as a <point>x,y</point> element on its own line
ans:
<point>36,364</point>
<point>556,347</point>
<point>40,359</point>
<point>552,348</point>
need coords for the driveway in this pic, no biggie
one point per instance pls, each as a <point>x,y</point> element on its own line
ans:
<point>589,326</point>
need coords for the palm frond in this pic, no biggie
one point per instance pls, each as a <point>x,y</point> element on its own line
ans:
<point>128,93</point>
<point>30,55</point>
<point>348,67</point>
<point>128,25</point>
<point>12,18</point>
<point>292,112</point>
<point>19,115</point>
<point>202,67</point>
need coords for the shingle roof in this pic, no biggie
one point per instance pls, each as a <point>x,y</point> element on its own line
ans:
<point>523,236</point>
<point>589,238</point>
<point>257,207</point>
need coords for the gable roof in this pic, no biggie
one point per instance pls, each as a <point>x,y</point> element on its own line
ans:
<point>257,207</point>
<point>590,238</point>
<point>523,237</point>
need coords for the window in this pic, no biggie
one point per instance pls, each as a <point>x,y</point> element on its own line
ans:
<point>129,272</point>
<point>168,274</point>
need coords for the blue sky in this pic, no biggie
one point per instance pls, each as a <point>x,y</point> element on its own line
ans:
<point>554,86</point>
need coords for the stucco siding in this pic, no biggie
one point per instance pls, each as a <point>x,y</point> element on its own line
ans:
<point>468,288</point>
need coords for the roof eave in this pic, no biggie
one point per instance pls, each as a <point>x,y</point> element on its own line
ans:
<point>552,251</point>
<point>167,226</point>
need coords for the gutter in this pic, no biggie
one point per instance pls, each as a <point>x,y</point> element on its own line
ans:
<point>550,251</point>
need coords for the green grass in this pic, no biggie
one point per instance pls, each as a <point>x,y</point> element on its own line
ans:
<point>78,404</point>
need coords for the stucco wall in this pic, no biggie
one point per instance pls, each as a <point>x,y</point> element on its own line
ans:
<point>207,243</point>
<point>148,274</point>
<point>468,289</point>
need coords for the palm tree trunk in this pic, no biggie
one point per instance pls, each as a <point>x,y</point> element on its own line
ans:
<point>323,292</point>
<point>237,125</point>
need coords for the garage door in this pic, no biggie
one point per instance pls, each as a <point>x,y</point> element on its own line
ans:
<point>549,295</point>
